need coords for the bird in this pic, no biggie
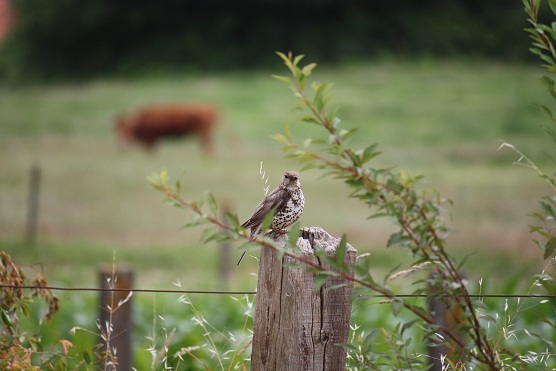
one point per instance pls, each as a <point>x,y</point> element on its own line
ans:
<point>286,201</point>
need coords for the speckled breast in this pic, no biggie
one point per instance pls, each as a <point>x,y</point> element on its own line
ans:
<point>290,213</point>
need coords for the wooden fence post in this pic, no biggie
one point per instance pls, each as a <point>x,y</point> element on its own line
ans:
<point>448,316</point>
<point>33,205</point>
<point>295,327</point>
<point>116,314</point>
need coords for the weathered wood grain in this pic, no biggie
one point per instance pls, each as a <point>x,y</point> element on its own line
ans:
<point>296,327</point>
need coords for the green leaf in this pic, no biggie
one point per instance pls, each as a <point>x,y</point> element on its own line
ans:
<point>550,249</point>
<point>306,71</point>
<point>548,83</point>
<point>279,137</point>
<point>408,325</point>
<point>196,220</point>
<point>341,253</point>
<point>369,339</point>
<point>87,357</point>
<point>280,252</point>
<point>320,102</point>
<point>397,306</point>
<point>552,5</point>
<point>546,110</point>
<point>309,166</point>
<point>164,177</point>
<point>547,282</point>
<point>213,205</point>
<point>394,238</point>
<point>218,237</point>
<point>321,88</point>
<point>169,202</point>
<point>362,269</point>
<point>154,179</point>
<point>319,280</point>
<point>282,56</point>
<point>24,308</point>
<point>548,210</point>
<point>6,319</point>
<point>369,153</point>
<point>338,286</point>
<point>294,234</point>
<point>527,7</point>
<point>285,79</point>
<point>208,234</point>
<point>311,120</point>
<point>287,132</point>
<point>267,221</point>
<point>537,215</point>
<point>298,59</point>
<point>60,365</point>
<point>464,260</point>
<point>349,347</point>
<point>232,219</point>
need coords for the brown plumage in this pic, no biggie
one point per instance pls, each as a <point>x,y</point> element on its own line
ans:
<point>286,201</point>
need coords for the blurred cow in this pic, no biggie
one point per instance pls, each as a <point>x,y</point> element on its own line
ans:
<point>152,123</point>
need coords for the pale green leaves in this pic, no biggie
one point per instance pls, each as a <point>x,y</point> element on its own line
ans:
<point>159,181</point>
<point>321,96</point>
<point>292,64</point>
<point>205,210</point>
<point>542,35</point>
<point>417,214</point>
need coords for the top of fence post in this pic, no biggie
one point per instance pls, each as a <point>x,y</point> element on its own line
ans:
<point>296,327</point>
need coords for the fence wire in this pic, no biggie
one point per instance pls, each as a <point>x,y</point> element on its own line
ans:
<point>217,292</point>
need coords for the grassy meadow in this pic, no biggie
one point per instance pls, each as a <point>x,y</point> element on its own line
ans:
<point>442,119</point>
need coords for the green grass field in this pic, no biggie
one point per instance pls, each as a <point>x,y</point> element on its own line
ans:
<point>443,119</point>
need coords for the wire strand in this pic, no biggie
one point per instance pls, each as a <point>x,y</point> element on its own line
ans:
<point>179,291</point>
<point>115,289</point>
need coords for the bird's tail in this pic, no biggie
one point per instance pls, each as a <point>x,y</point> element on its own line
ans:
<point>242,255</point>
<point>252,238</point>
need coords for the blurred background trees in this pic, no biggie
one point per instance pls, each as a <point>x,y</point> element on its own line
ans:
<point>68,39</point>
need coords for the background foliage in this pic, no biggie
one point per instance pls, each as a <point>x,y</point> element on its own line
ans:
<point>131,37</point>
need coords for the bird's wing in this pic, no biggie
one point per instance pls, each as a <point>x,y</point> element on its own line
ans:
<point>276,200</point>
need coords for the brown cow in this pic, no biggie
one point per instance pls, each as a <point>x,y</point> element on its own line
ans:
<point>152,123</point>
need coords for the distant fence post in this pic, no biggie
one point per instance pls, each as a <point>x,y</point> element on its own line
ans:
<point>448,316</point>
<point>295,327</point>
<point>116,314</point>
<point>33,205</point>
